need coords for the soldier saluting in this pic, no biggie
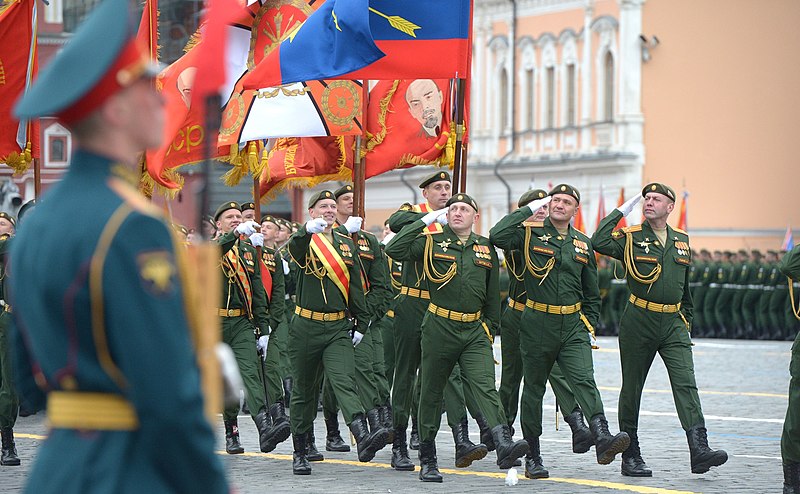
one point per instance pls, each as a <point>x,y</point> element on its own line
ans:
<point>657,319</point>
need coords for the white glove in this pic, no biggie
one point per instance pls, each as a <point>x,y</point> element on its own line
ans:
<point>262,346</point>
<point>626,208</point>
<point>442,220</point>
<point>317,225</point>
<point>286,269</point>
<point>353,224</point>
<point>257,239</point>
<point>434,216</point>
<point>388,237</point>
<point>539,204</point>
<point>357,337</point>
<point>247,228</point>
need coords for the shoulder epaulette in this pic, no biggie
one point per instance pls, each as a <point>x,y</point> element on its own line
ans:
<point>133,198</point>
<point>428,232</point>
<point>681,231</point>
<point>581,232</point>
<point>406,207</point>
<point>4,236</point>
<point>342,234</point>
<point>534,224</point>
<point>631,229</point>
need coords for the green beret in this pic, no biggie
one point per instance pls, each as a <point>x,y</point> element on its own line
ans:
<point>10,218</point>
<point>347,189</point>
<point>463,198</point>
<point>284,223</point>
<point>530,196</point>
<point>323,194</point>
<point>271,219</point>
<point>659,188</point>
<point>224,207</point>
<point>295,225</point>
<point>436,177</point>
<point>247,205</point>
<point>25,209</point>
<point>568,190</point>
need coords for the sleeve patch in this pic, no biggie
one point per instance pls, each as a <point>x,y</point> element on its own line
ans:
<point>157,272</point>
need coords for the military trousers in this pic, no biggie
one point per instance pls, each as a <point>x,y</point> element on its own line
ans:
<point>699,296</point>
<point>386,327</point>
<point>9,402</point>
<point>709,310</point>
<point>321,349</point>
<point>366,385</point>
<point>281,332</point>
<point>546,339</point>
<point>408,335</point>
<point>446,343</point>
<point>238,333</point>
<point>379,364</point>
<point>642,334</point>
<point>790,439</point>
<point>511,376</point>
<point>273,368</point>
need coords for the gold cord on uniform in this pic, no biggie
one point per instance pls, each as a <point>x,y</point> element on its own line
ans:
<point>795,309</point>
<point>537,272</point>
<point>431,271</point>
<point>315,268</point>
<point>647,279</point>
<point>513,269</point>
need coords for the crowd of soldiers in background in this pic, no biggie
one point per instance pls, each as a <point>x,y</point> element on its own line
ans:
<point>739,295</point>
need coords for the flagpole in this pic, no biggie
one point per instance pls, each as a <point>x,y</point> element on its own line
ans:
<point>359,175</point>
<point>459,160</point>
<point>37,179</point>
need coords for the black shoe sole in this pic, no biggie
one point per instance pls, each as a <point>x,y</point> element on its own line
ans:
<point>540,475</point>
<point>705,467</point>
<point>301,472</point>
<point>475,454</point>
<point>407,468</point>
<point>10,463</point>
<point>617,446</point>
<point>377,443</point>
<point>229,451</point>
<point>338,449</point>
<point>317,457</point>
<point>520,449</point>
<point>435,479</point>
<point>634,474</point>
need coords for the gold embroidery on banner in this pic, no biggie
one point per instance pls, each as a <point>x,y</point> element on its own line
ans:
<point>336,106</point>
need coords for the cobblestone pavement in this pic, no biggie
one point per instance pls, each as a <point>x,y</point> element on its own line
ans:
<point>743,386</point>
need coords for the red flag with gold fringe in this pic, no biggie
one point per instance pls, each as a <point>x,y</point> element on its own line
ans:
<point>19,141</point>
<point>147,35</point>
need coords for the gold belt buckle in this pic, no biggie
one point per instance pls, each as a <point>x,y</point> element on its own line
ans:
<point>564,309</point>
<point>326,316</point>
<point>465,317</point>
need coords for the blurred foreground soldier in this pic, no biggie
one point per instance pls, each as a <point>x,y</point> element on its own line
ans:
<point>464,312</point>
<point>790,439</point>
<point>321,336</point>
<point>244,310</point>
<point>9,404</point>
<point>657,320</point>
<point>103,328</point>
<point>561,310</point>
<point>510,350</point>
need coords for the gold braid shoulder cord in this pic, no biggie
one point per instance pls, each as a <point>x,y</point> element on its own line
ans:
<point>512,269</point>
<point>537,272</point>
<point>795,309</point>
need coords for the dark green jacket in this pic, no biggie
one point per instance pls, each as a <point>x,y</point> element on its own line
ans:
<point>232,296</point>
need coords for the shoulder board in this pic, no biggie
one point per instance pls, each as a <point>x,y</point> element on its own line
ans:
<point>133,198</point>
<point>4,236</point>
<point>631,229</point>
<point>342,235</point>
<point>428,232</point>
<point>681,231</point>
<point>581,232</point>
<point>535,224</point>
<point>406,207</point>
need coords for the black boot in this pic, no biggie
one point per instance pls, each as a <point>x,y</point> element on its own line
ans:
<point>413,440</point>
<point>507,449</point>
<point>287,391</point>
<point>703,457</point>
<point>632,463</point>
<point>466,450</point>
<point>428,466</point>
<point>300,465</point>
<point>280,430</point>
<point>791,478</point>
<point>486,432</point>
<point>376,424</point>
<point>311,447</point>
<point>607,446</point>
<point>385,413</point>
<point>582,440</point>
<point>400,459</point>
<point>534,467</point>
<point>9,451</point>
<point>264,425</point>
<point>232,444</point>
<point>368,442</point>
<point>333,440</point>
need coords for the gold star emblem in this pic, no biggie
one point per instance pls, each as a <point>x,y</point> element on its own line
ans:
<point>546,237</point>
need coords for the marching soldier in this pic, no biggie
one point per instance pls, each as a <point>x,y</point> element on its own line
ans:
<point>248,211</point>
<point>464,311</point>
<point>510,350</point>
<point>752,292</point>
<point>329,288</point>
<point>290,288</point>
<point>244,311</point>
<point>716,278</point>
<point>657,320</point>
<point>790,438</point>
<point>561,310</point>
<point>9,403</point>
<point>104,334</point>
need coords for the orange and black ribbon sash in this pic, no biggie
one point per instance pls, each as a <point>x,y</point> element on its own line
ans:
<point>232,257</point>
<point>335,267</point>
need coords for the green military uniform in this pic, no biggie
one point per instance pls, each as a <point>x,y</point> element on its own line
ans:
<point>702,277</point>
<point>562,308</point>
<point>276,349</point>
<point>752,292</point>
<point>604,275</point>
<point>726,277</point>
<point>244,310</point>
<point>329,288</point>
<point>617,294</point>
<point>9,403</point>
<point>716,278</point>
<point>463,313</point>
<point>769,280</point>
<point>790,438</point>
<point>102,335</point>
<point>742,270</point>
<point>657,320</point>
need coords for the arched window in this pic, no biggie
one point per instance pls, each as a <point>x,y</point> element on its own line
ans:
<point>608,87</point>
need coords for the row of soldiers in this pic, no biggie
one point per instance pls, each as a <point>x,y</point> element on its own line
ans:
<point>739,295</point>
